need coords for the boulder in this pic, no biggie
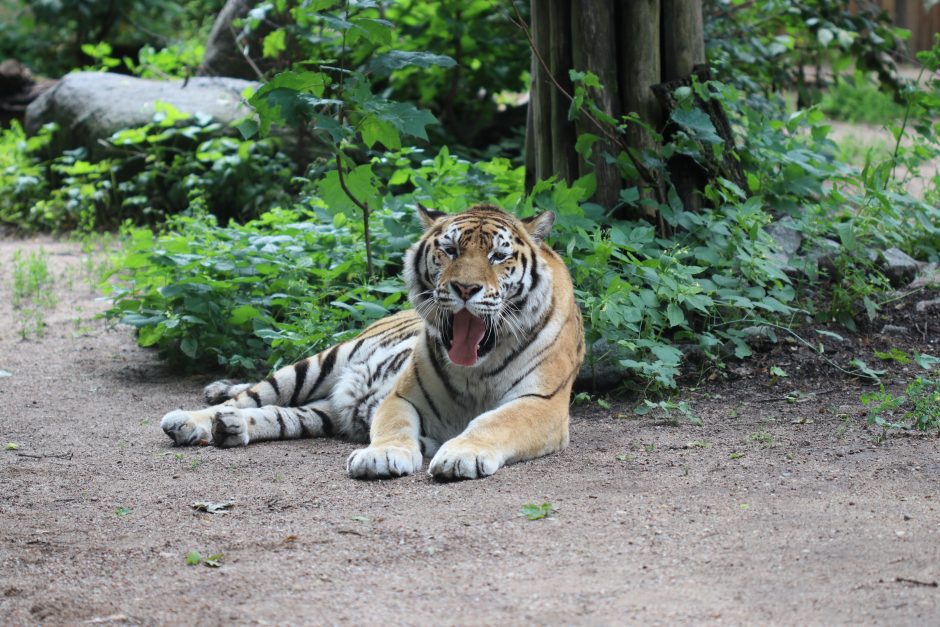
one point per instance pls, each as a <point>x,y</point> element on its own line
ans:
<point>92,106</point>
<point>898,266</point>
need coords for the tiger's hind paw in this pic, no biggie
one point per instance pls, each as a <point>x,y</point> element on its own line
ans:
<point>184,429</point>
<point>229,429</point>
<point>218,392</point>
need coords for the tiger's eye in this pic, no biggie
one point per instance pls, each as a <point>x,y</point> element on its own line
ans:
<point>499,256</point>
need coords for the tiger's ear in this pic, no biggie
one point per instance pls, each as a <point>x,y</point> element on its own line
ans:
<point>429,216</point>
<point>539,226</point>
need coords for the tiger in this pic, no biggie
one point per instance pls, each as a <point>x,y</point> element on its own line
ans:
<point>475,376</point>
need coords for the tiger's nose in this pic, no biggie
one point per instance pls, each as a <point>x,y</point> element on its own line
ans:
<point>465,291</point>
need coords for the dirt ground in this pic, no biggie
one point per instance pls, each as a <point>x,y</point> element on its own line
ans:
<point>771,513</point>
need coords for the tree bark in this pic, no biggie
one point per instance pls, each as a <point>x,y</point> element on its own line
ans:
<point>564,157</point>
<point>631,45</point>
<point>639,66</point>
<point>595,49</point>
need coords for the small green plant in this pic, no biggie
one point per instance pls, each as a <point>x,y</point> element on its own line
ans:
<point>918,407</point>
<point>11,446</point>
<point>122,511</point>
<point>194,558</point>
<point>671,411</point>
<point>859,99</point>
<point>31,294</point>
<point>533,511</point>
<point>764,438</point>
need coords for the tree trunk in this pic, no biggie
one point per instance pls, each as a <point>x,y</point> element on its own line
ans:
<point>631,46</point>
<point>594,46</point>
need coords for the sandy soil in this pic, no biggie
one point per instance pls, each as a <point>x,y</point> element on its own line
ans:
<point>770,513</point>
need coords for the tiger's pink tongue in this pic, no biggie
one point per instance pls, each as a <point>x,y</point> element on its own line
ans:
<point>468,332</point>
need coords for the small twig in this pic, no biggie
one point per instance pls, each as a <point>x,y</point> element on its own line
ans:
<point>916,582</point>
<point>362,206</point>
<point>244,53</point>
<point>46,455</point>
<point>907,113</point>
<point>791,398</point>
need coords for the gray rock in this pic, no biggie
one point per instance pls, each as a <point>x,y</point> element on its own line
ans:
<point>929,276</point>
<point>605,373</point>
<point>785,235</point>
<point>928,306</point>
<point>892,329</point>
<point>898,266</point>
<point>823,255</point>
<point>92,106</point>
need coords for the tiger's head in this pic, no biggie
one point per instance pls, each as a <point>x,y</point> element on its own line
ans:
<point>476,278</point>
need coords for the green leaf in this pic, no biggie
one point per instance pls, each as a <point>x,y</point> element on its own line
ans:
<point>247,128</point>
<point>274,43</point>
<point>398,59</point>
<point>675,315</point>
<point>375,130</point>
<point>214,560</point>
<point>189,346</point>
<point>360,181</point>
<point>925,361</point>
<point>533,511</point>
<point>243,314</point>
<point>193,558</point>
<point>375,31</point>
<point>584,143</point>
<point>698,124</point>
<point>404,116</point>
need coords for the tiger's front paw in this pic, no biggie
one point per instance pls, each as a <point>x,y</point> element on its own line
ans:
<point>229,428</point>
<point>376,462</point>
<point>459,460</point>
<point>186,429</point>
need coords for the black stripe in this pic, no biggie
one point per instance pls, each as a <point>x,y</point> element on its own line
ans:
<point>273,383</point>
<point>417,411</point>
<point>427,397</point>
<point>325,369</point>
<point>280,423</point>
<point>326,421</point>
<point>536,331</point>
<point>392,327</point>
<point>533,271</point>
<point>255,397</point>
<point>355,348</point>
<point>531,369</point>
<point>386,364</point>
<point>438,369</point>
<point>300,377</point>
<point>555,391</point>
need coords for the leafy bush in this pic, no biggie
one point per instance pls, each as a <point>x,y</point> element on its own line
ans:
<point>49,35</point>
<point>858,99</point>
<point>152,173</point>
<point>278,288</point>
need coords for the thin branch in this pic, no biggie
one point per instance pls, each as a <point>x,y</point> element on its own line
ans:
<point>362,206</point>
<point>244,53</point>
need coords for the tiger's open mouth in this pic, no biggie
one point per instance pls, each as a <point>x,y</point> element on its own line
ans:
<point>467,338</point>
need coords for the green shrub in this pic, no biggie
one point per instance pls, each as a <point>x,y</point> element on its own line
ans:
<point>151,174</point>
